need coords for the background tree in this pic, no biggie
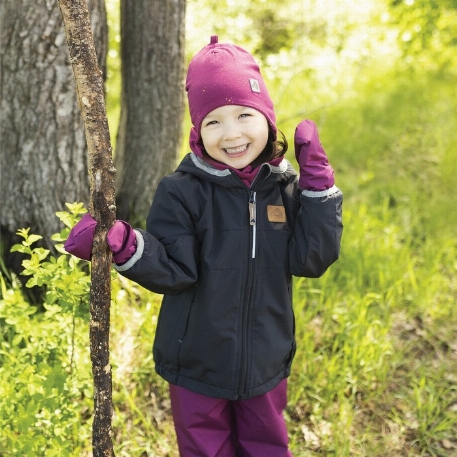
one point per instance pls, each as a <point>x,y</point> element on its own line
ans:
<point>152,55</point>
<point>43,158</point>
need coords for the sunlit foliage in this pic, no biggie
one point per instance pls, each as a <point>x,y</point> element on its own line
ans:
<point>427,31</point>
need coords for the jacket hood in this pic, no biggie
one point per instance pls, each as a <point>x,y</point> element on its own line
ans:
<point>196,166</point>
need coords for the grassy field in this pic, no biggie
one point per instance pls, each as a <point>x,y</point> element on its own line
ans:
<point>376,367</point>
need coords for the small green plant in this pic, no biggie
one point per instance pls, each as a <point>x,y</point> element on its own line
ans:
<point>45,383</point>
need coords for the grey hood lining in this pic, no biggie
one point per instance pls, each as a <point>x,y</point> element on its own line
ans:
<point>202,165</point>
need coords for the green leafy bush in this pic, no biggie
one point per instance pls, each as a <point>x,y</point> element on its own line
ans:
<point>45,382</point>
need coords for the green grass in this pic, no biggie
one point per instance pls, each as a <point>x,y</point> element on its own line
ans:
<point>375,368</point>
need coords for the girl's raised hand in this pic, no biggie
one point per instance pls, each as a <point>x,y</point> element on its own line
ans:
<point>315,171</point>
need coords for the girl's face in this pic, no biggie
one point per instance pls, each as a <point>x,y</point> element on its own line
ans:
<point>234,135</point>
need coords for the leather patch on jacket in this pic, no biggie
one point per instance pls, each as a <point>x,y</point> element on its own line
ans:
<point>276,213</point>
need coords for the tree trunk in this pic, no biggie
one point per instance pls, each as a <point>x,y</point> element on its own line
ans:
<point>90,91</point>
<point>43,155</point>
<point>149,136</point>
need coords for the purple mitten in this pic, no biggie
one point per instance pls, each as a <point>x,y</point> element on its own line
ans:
<point>79,242</point>
<point>315,172</point>
<point>121,239</point>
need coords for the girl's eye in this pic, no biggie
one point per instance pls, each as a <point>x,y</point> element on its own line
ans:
<point>211,123</point>
<point>245,115</point>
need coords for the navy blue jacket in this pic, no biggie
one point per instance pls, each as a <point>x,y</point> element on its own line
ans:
<point>223,255</point>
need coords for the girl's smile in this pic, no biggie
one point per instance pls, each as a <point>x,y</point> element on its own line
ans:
<point>234,135</point>
<point>236,151</point>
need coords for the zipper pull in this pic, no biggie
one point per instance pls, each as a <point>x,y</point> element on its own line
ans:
<point>252,209</point>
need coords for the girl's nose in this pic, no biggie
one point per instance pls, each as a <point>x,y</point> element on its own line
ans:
<point>231,131</point>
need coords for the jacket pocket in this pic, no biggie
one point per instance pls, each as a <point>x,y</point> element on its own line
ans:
<point>172,327</point>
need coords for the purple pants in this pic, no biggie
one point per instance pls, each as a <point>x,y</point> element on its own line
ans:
<point>210,427</point>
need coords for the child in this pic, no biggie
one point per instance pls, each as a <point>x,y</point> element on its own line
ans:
<point>225,233</point>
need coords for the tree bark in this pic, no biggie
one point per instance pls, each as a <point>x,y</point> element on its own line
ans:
<point>149,135</point>
<point>43,155</point>
<point>90,91</point>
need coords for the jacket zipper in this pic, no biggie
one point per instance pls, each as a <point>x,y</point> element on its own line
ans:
<point>253,220</point>
<point>247,297</point>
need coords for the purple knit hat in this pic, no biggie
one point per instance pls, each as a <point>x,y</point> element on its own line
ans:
<point>225,74</point>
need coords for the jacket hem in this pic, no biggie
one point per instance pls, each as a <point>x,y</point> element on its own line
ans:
<point>208,390</point>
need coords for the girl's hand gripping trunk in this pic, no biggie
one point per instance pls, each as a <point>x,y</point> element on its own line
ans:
<point>121,239</point>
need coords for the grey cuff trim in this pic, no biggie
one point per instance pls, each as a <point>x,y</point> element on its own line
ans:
<point>321,193</point>
<point>136,256</point>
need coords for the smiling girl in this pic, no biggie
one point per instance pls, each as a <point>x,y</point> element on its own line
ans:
<point>224,236</point>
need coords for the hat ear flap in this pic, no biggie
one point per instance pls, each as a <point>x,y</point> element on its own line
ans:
<point>196,143</point>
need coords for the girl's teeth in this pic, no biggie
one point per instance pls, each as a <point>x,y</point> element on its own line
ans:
<point>236,150</point>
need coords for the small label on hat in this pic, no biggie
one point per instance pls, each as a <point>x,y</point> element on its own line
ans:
<point>276,213</point>
<point>255,86</point>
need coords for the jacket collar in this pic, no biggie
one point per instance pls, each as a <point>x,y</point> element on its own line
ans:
<point>206,167</point>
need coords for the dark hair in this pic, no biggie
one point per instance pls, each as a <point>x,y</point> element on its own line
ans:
<point>275,147</point>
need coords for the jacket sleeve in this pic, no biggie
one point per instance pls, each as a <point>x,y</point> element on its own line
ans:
<point>166,260</point>
<point>315,244</point>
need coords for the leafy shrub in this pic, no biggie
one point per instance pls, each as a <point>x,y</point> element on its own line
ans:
<point>45,382</point>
